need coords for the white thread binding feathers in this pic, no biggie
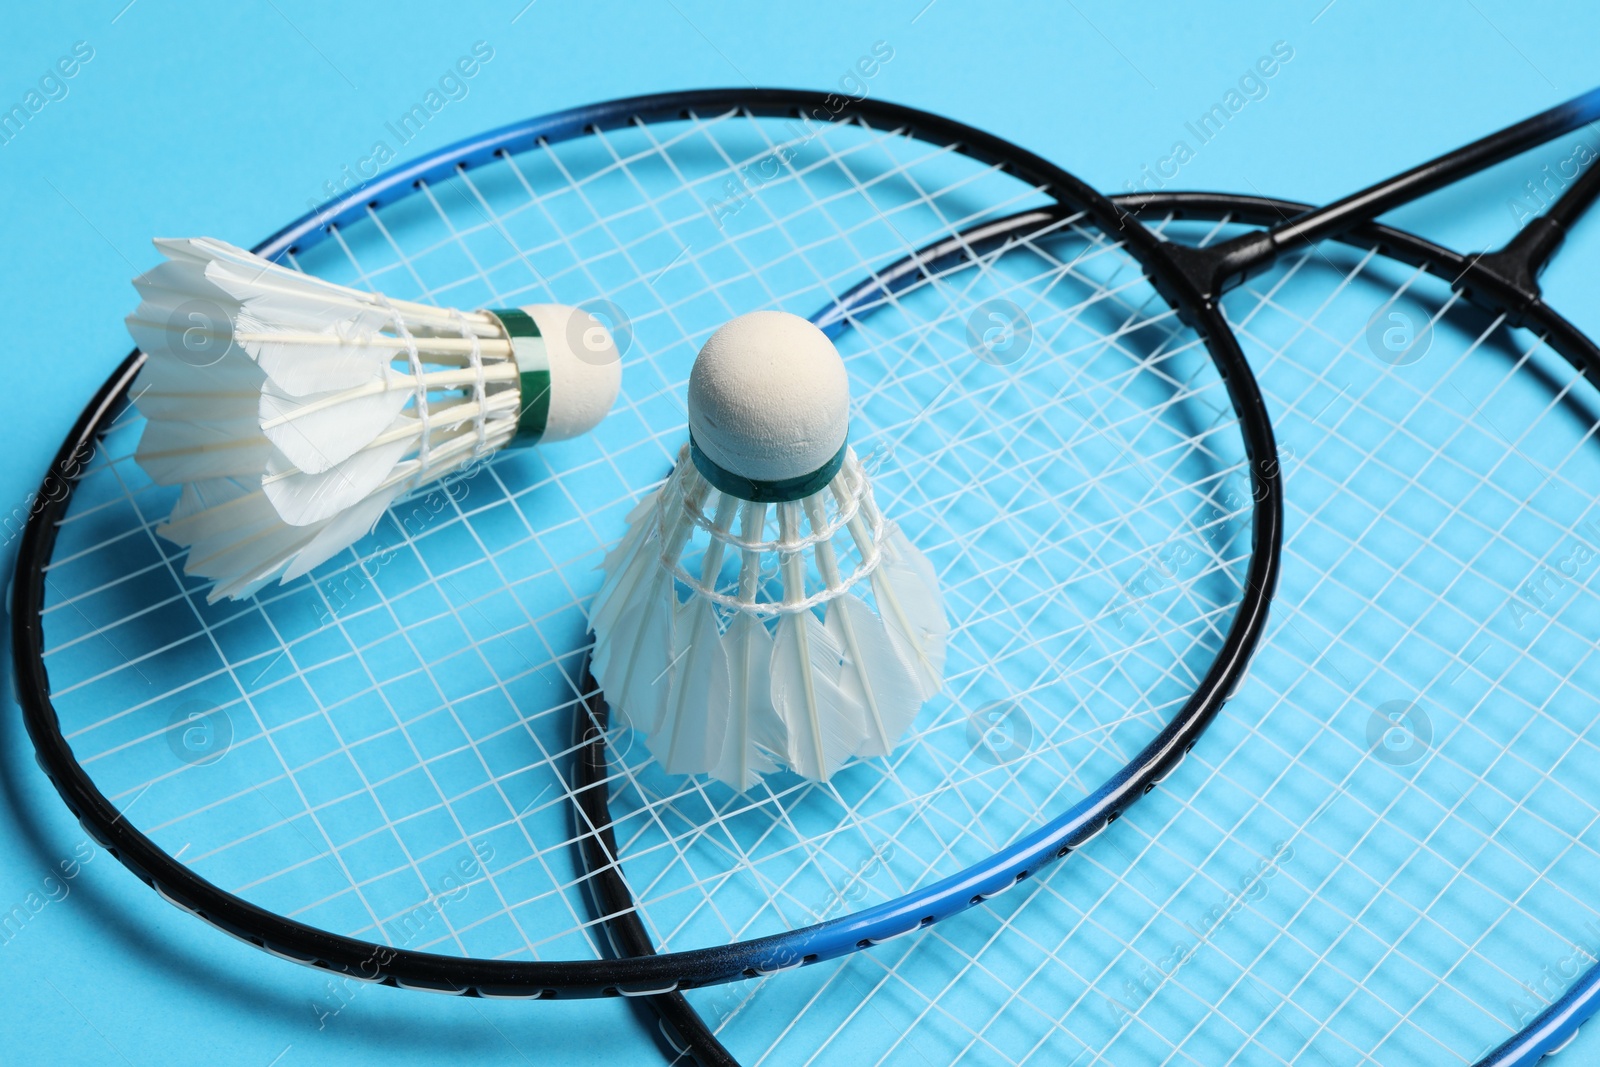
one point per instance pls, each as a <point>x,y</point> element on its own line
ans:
<point>293,411</point>
<point>774,655</point>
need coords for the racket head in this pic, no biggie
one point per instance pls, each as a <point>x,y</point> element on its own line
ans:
<point>1384,849</point>
<point>370,772</point>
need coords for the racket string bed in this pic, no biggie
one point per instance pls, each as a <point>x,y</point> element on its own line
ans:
<point>1374,879</point>
<point>380,755</point>
<point>1349,904</point>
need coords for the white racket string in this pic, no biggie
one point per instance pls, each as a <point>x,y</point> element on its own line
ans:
<point>1306,888</point>
<point>397,763</point>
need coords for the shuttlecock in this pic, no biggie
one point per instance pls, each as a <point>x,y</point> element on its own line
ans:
<point>293,411</point>
<point>760,608</point>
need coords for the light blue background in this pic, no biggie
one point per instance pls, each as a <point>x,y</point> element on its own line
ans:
<point>225,119</point>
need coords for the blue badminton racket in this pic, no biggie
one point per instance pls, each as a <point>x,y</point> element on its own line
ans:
<point>370,771</point>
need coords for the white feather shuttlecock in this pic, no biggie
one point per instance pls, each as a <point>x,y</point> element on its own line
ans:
<point>733,627</point>
<point>293,411</point>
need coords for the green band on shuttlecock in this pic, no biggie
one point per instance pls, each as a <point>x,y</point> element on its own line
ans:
<point>533,367</point>
<point>725,481</point>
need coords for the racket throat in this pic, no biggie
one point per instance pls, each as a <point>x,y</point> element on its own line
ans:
<point>1214,270</point>
<point>1508,280</point>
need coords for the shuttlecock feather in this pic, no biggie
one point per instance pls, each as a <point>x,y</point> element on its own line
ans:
<point>813,634</point>
<point>293,411</point>
<point>755,738</point>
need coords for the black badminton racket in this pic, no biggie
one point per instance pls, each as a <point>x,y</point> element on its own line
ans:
<point>1385,849</point>
<point>370,771</point>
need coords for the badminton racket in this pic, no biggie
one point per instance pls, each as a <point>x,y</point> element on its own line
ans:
<point>370,772</point>
<point>1384,850</point>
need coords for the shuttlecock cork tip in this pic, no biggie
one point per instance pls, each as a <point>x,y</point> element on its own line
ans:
<point>769,399</point>
<point>584,365</point>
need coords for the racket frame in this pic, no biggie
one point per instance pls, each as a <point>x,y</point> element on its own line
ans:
<point>651,975</point>
<point>1503,282</point>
